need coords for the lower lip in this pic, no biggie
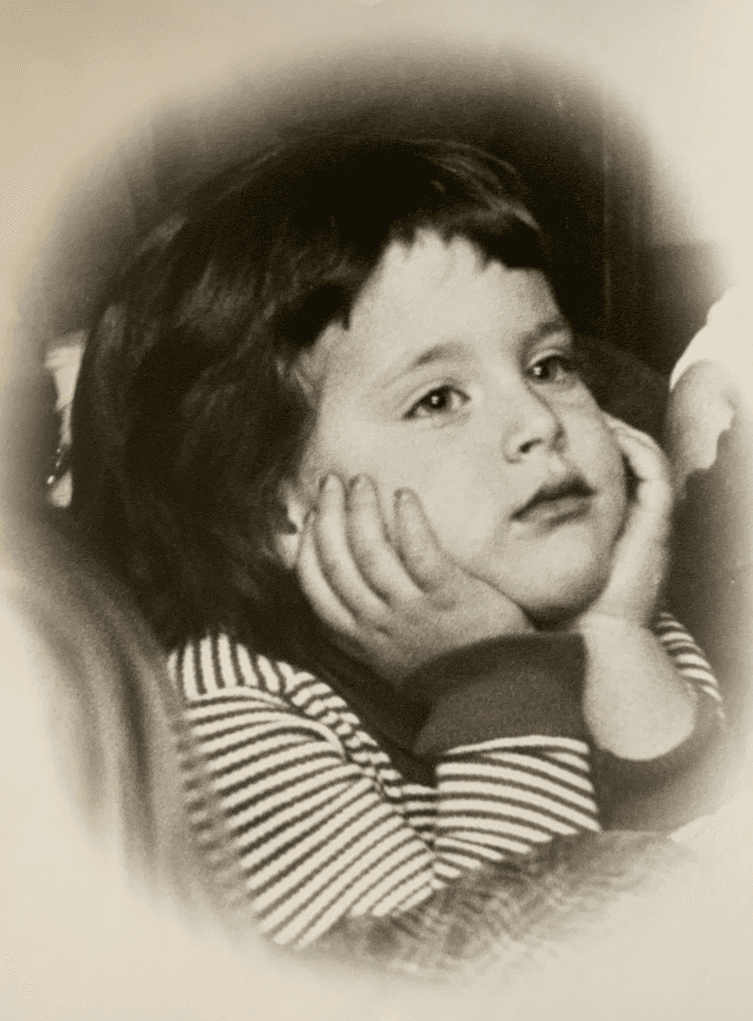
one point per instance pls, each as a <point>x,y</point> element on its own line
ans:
<point>557,512</point>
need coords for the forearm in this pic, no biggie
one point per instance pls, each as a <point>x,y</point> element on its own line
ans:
<point>636,704</point>
<point>505,733</point>
<point>523,697</point>
<point>319,825</point>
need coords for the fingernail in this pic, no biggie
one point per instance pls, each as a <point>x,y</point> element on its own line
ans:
<point>404,498</point>
<point>328,483</point>
<point>359,484</point>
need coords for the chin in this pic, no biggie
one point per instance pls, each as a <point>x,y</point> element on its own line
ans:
<point>560,604</point>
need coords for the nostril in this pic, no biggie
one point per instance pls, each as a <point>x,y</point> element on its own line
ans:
<point>537,426</point>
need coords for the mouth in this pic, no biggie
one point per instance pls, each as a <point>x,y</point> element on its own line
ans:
<point>557,501</point>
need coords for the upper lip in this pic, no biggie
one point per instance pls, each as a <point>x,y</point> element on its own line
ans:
<point>556,489</point>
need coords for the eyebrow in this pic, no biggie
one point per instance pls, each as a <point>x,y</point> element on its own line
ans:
<point>449,349</point>
<point>557,325</point>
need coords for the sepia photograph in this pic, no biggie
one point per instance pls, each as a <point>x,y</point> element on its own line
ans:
<point>376,481</point>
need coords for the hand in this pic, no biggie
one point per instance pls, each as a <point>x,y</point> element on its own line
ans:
<point>701,407</point>
<point>394,605</point>
<point>641,554</point>
<point>636,704</point>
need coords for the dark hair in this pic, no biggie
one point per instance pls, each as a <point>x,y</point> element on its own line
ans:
<point>187,417</point>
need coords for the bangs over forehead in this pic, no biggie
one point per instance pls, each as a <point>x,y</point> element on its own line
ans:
<point>313,222</point>
<point>187,415</point>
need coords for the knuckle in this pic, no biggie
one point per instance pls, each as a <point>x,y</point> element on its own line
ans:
<point>371,619</point>
<point>432,569</point>
<point>369,559</point>
<point>443,600</point>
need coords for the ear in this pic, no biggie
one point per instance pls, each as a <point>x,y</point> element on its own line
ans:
<point>287,531</point>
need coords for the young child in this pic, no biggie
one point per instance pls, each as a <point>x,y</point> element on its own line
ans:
<point>331,430</point>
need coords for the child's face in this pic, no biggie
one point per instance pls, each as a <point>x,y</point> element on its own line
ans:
<point>454,379</point>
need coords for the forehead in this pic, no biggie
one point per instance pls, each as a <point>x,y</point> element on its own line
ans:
<point>430,299</point>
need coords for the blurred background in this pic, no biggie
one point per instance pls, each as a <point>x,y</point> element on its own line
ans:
<point>627,121</point>
<point>627,118</point>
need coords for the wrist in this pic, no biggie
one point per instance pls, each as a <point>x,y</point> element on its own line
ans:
<point>636,704</point>
<point>453,641</point>
<point>509,687</point>
<point>634,599</point>
<point>599,621</point>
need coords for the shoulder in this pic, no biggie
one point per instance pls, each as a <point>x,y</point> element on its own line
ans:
<point>231,692</point>
<point>687,656</point>
<point>215,670</point>
<point>216,663</point>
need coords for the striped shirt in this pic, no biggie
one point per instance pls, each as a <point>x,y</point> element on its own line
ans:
<point>317,822</point>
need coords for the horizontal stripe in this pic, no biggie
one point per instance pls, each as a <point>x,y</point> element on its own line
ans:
<point>538,742</point>
<point>456,773</point>
<point>321,868</point>
<point>283,882</point>
<point>533,830</point>
<point>312,821</point>
<point>571,761</point>
<point>528,805</point>
<point>313,830</point>
<point>452,846</point>
<point>371,868</point>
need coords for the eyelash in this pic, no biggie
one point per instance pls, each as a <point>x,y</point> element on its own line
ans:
<point>566,363</point>
<point>434,411</point>
<point>566,371</point>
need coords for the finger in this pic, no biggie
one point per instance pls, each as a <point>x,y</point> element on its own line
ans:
<point>334,554</point>
<point>619,423</point>
<point>646,457</point>
<point>324,602</point>
<point>651,469</point>
<point>424,559</point>
<point>612,421</point>
<point>372,551</point>
<point>622,430</point>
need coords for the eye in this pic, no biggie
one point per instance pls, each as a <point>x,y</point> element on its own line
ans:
<point>442,400</point>
<point>555,368</point>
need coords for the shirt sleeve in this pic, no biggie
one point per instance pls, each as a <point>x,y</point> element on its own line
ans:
<point>664,793</point>
<point>509,745</point>
<point>315,835</point>
<point>529,688</point>
<point>318,832</point>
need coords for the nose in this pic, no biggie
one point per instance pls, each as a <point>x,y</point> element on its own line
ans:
<point>531,424</point>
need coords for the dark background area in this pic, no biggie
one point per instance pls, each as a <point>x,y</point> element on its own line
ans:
<point>583,158</point>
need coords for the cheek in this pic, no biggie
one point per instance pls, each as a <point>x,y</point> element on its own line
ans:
<point>453,490</point>
<point>600,460</point>
<point>356,449</point>
<point>332,449</point>
<point>455,501</point>
<point>611,478</point>
<point>591,444</point>
<point>466,501</point>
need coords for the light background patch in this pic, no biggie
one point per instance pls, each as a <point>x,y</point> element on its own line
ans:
<point>75,74</point>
